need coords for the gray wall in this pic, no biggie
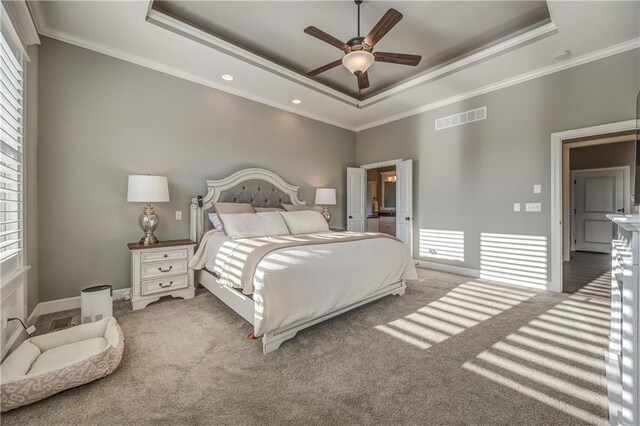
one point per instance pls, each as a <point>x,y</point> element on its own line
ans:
<point>101,119</point>
<point>31,178</point>
<point>467,178</point>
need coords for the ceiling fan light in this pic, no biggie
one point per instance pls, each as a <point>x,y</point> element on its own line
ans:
<point>359,60</point>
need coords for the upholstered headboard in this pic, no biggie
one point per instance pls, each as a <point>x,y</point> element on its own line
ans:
<point>259,187</point>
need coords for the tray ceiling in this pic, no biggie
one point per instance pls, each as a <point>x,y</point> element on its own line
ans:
<point>132,31</point>
<point>438,31</point>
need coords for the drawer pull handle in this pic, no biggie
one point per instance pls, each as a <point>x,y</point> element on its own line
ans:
<point>166,255</point>
<point>166,286</point>
<point>165,270</point>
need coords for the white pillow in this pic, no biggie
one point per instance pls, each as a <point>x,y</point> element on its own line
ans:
<point>251,225</point>
<point>215,220</point>
<point>305,222</point>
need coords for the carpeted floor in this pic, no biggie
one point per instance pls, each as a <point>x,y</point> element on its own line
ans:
<point>451,351</point>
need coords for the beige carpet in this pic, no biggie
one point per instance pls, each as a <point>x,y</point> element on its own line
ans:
<point>451,351</point>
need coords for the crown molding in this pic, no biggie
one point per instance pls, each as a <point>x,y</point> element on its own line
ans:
<point>527,36</point>
<point>22,21</point>
<point>187,30</point>
<point>154,65</point>
<point>35,8</point>
<point>43,28</point>
<point>581,60</point>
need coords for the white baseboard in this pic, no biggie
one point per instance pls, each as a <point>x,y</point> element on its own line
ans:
<point>44,308</point>
<point>459,270</point>
<point>468,272</point>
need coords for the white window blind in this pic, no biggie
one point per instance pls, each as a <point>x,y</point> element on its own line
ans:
<point>11,151</point>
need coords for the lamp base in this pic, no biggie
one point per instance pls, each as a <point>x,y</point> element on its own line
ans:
<point>326,214</point>
<point>148,222</point>
<point>148,240</point>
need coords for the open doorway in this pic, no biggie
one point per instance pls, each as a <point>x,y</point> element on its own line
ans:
<point>380,199</point>
<point>598,174</point>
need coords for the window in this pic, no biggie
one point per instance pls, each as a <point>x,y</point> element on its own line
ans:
<point>11,151</point>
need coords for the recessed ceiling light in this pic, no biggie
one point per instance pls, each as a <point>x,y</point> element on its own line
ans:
<point>563,54</point>
<point>227,77</point>
<point>296,101</point>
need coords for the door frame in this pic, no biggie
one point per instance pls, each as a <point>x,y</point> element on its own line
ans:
<point>626,193</point>
<point>559,191</point>
<point>381,164</point>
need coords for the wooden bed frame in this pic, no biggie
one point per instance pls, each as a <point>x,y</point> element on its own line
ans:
<point>235,299</point>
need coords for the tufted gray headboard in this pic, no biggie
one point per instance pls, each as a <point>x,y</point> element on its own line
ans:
<point>259,187</point>
<point>256,192</point>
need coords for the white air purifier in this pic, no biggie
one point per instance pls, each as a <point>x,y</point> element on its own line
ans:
<point>96,303</point>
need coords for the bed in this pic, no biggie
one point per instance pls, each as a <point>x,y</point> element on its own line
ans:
<point>283,284</point>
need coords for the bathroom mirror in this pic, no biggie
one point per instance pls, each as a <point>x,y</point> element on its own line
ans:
<point>388,193</point>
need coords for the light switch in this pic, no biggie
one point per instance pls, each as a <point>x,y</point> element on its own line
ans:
<point>516,207</point>
<point>533,207</point>
<point>537,189</point>
<point>178,215</point>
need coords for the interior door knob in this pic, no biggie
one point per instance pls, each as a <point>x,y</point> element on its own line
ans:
<point>407,219</point>
<point>350,217</point>
<point>621,210</point>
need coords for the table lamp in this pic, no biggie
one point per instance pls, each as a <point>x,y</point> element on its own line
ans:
<point>148,189</point>
<point>326,197</point>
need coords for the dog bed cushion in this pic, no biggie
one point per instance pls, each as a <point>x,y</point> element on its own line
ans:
<point>48,364</point>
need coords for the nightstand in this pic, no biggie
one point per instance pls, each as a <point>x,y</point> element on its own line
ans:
<point>161,270</point>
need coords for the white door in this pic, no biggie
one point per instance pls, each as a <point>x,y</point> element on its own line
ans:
<point>404,202</point>
<point>597,193</point>
<point>356,194</point>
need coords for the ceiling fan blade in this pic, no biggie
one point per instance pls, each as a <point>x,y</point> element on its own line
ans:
<point>398,58</point>
<point>325,68</point>
<point>363,80</point>
<point>388,21</point>
<point>321,35</point>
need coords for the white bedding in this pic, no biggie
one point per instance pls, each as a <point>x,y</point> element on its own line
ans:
<point>305,282</point>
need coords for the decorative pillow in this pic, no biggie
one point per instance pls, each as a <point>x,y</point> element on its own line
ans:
<point>215,220</point>
<point>305,222</point>
<point>252,225</point>
<point>294,208</point>
<point>228,208</point>
<point>268,209</point>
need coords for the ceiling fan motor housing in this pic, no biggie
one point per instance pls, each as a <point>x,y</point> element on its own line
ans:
<point>357,43</point>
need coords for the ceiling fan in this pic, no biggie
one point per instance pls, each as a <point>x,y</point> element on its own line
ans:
<point>358,50</point>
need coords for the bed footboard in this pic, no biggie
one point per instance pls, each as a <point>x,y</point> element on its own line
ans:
<point>272,341</point>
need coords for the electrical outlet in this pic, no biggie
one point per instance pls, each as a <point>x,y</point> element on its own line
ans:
<point>537,189</point>
<point>533,207</point>
<point>516,207</point>
<point>178,215</point>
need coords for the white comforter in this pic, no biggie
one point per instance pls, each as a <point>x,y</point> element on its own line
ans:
<point>305,282</point>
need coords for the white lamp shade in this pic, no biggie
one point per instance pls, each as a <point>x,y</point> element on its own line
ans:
<point>359,60</point>
<point>148,189</point>
<point>326,196</point>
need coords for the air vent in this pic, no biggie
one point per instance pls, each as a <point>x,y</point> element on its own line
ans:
<point>461,118</point>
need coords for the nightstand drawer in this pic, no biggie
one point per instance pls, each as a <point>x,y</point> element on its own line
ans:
<point>162,285</point>
<point>156,256</point>
<point>160,269</point>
